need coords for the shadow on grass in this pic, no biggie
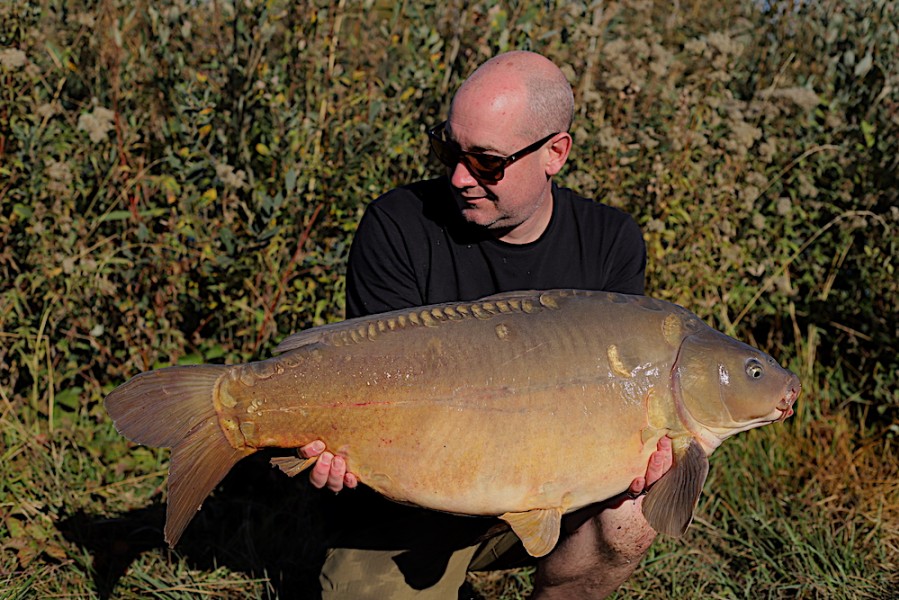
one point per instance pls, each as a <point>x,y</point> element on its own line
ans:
<point>258,522</point>
<point>266,525</point>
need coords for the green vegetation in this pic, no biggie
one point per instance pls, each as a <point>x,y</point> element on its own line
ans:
<point>180,180</point>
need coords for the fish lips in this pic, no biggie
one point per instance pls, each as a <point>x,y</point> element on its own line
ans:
<point>785,406</point>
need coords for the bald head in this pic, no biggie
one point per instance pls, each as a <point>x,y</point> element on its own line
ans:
<point>515,76</point>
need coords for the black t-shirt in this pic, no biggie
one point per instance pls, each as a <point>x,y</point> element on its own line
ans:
<point>413,248</point>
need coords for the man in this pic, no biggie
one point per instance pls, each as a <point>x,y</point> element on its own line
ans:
<point>496,223</point>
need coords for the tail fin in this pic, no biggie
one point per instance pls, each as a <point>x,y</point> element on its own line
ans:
<point>174,408</point>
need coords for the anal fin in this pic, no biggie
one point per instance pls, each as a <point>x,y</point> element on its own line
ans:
<point>670,502</point>
<point>538,529</point>
<point>292,465</point>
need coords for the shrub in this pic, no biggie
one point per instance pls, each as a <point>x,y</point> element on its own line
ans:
<point>180,181</point>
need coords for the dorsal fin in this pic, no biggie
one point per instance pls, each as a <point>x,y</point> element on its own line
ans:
<point>516,294</point>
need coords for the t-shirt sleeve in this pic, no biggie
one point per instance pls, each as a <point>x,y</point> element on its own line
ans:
<point>380,272</point>
<point>627,259</point>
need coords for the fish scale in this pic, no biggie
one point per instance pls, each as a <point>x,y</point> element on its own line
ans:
<point>525,405</point>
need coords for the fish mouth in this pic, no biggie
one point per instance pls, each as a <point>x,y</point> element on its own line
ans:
<point>785,406</point>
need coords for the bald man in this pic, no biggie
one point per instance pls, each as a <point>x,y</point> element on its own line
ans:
<point>496,222</point>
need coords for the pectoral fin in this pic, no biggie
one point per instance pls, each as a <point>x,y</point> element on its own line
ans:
<point>538,529</point>
<point>292,465</point>
<point>669,504</point>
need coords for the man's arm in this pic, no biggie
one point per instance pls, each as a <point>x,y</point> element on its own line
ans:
<point>605,547</point>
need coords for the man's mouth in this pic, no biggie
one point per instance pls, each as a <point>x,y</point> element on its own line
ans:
<point>475,201</point>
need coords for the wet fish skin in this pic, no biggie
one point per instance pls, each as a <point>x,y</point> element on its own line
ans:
<point>470,408</point>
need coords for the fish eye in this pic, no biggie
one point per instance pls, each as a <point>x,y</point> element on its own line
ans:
<point>754,369</point>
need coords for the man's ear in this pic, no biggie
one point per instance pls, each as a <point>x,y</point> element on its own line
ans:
<point>558,153</point>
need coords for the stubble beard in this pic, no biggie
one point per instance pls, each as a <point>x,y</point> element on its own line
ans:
<point>499,223</point>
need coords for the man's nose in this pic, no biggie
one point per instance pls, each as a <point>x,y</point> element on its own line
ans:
<point>461,177</point>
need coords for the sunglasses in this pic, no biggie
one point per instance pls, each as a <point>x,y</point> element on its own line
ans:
<point>486,167</point>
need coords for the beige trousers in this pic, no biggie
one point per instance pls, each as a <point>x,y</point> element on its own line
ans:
<point>415,554</point>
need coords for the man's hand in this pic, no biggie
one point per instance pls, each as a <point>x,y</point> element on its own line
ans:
<point>329,470</point>
<point>659,463</point>
<point>605,544</point>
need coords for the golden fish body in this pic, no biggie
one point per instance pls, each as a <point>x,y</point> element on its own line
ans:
<point>526,405</point>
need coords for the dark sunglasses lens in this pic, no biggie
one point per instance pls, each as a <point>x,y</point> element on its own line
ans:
<point>446,152</point>
<point>485,166</point>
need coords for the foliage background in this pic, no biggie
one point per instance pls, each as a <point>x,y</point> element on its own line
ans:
<point>180,180</point>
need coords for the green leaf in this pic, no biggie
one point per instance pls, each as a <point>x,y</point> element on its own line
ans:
<point>116,215</point>
<point>868,133</point>
<point>69,398</point>
<point>20,210</point>
<point>290,180</point>
<point>191,359</point>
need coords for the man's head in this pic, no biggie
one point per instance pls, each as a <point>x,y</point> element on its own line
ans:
<point>509,103</point>
<point>526,76</point>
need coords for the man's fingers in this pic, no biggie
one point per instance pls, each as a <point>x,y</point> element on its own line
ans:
<point>335,477</point>
<point>312,449</point>
<point>660,461</point>
<point>329,470</point>
<point>637,486</point>
<point>321,470</point>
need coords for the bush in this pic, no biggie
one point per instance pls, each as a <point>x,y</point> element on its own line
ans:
<point>180,181</point>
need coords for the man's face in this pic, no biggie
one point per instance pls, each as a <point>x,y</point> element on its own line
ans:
<point>521,202</point>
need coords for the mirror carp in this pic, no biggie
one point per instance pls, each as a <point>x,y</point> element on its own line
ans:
<point>525,405</point>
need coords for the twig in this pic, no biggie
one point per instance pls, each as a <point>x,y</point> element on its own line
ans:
<point>126,481</point>
<point>793,163</point>
<point>304,237</point>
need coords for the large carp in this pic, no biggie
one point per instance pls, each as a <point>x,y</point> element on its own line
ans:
<point>525,405</point>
